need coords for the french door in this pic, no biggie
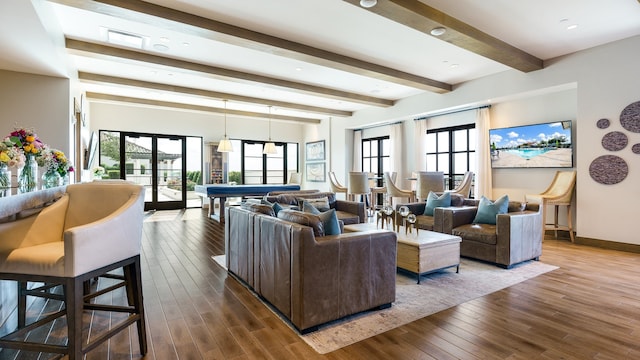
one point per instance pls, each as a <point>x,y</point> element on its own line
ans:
<point>157,162</point>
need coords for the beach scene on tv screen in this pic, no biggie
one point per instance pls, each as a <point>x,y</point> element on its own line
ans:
<point>538,145</point>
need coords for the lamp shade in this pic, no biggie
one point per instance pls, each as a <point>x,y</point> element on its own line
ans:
<point>270,148</point>
<point>225,146</point>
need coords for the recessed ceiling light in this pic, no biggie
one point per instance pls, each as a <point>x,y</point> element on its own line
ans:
<point>164,39</point>
<point>124,39</point>
<point>185,44</point>
<point>368,3</point>
<point>298,69</point>
<point>437,31</point>
<point>160,47</point>
<point>572,26</point>
<point>453,66</point>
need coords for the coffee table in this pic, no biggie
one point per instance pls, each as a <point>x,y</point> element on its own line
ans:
<point>424,252</point>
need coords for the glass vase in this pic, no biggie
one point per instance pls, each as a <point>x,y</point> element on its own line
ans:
<point>51,179</point>
<point>5,180</point>
<point>28,175</point>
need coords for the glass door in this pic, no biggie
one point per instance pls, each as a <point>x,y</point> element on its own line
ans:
<point>156,162</point>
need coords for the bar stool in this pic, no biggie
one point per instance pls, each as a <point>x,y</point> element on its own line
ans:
<point>359,185</point>
<point>93,229</point>
<point>559,193</point>
<point>429,181</point>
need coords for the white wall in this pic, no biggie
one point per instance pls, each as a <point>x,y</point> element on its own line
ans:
<point>585,86</point>
<point>38,102</point>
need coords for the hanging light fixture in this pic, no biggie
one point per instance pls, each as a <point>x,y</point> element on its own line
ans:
<point>270,147</point>
<point>225,144</point>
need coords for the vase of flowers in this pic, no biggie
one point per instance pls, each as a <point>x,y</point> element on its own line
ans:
<point>28,175</point>
<point>28,143</point>
<point>10,157</point>
<point>56,167</point>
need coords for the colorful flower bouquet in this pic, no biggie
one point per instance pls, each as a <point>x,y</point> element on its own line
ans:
<point>24,150</point>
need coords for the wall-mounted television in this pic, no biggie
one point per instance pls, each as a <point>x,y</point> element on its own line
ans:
<point>545,145</point>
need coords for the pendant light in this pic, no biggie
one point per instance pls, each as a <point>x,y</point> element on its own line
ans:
<point>225,144</point>
<point>270,147</point>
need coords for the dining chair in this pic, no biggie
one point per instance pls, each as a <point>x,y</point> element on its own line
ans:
<point>359,185</point>
<point>429,181</point>
<point>375,190</point>
<point>464,188</point>
<point>335,185</point>
<point>295,178</point>
<point>394,191</point>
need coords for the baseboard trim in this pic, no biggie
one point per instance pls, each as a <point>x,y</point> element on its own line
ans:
<point>603,244</point>
<point>611,245</point>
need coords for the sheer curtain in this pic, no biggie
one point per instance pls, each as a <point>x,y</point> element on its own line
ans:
<point>483,183</point>
<point>420,146</point>
<point>357,151</point>
<point>396,141</point>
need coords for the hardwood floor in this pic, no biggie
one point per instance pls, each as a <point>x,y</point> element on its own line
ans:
<point>586,309</point>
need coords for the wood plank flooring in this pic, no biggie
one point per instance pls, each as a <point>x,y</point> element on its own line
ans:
<point>587,309</point>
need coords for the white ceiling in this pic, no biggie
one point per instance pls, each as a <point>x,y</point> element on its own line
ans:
<point>32,40</point>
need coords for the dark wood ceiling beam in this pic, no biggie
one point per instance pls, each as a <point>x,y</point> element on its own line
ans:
<point>105,79</point>
<point>101,51</point>
<point>141,11</point>
<point>421,17</point>
<point>211,109</point>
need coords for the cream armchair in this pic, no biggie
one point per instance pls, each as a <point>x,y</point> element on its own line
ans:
<point>92,229</point>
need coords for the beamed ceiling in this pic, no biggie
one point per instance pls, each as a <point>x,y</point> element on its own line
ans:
<point>310,59</point>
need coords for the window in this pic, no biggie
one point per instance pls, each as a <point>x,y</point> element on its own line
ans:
<point>375,155</point>
<point>452,151</point>
<point>248,165</point>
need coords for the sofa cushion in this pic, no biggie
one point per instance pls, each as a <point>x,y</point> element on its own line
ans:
<point>434,201</point>
<point>258,208</point>
<point>302,218</point>
<point>322,204</point>
<point>482,233</point>
<point>487,210</point>
<point>348,218</point>
<point>516,206</point>
<point>424,222</point>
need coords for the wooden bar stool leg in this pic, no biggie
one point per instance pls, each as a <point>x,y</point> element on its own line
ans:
<point>570,223</point>
<point>555,220</point>
<point>22,304</point>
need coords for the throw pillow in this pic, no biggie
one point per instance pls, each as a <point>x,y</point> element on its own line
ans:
<point>303,218</point>
<point>321,204</point>
<point>329,218</point>
<point>487,210</point>
<point>330,222</point>
<point>275,206</point>
<point>309,208</point>
<point>434,201</point>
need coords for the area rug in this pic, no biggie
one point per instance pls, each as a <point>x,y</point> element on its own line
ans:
<point>436,292</point>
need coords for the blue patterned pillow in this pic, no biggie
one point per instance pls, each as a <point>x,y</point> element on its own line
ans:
<point>487,210</point>
<point>434,201</point>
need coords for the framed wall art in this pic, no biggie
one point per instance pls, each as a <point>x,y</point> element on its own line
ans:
<point>314,151</point>
<point>316,172</point>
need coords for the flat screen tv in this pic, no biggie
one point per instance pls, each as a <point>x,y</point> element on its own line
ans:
<point>546,145</point>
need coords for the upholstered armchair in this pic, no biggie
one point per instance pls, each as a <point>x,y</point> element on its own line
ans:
<point>93,229</point>
<point>515,237</point>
